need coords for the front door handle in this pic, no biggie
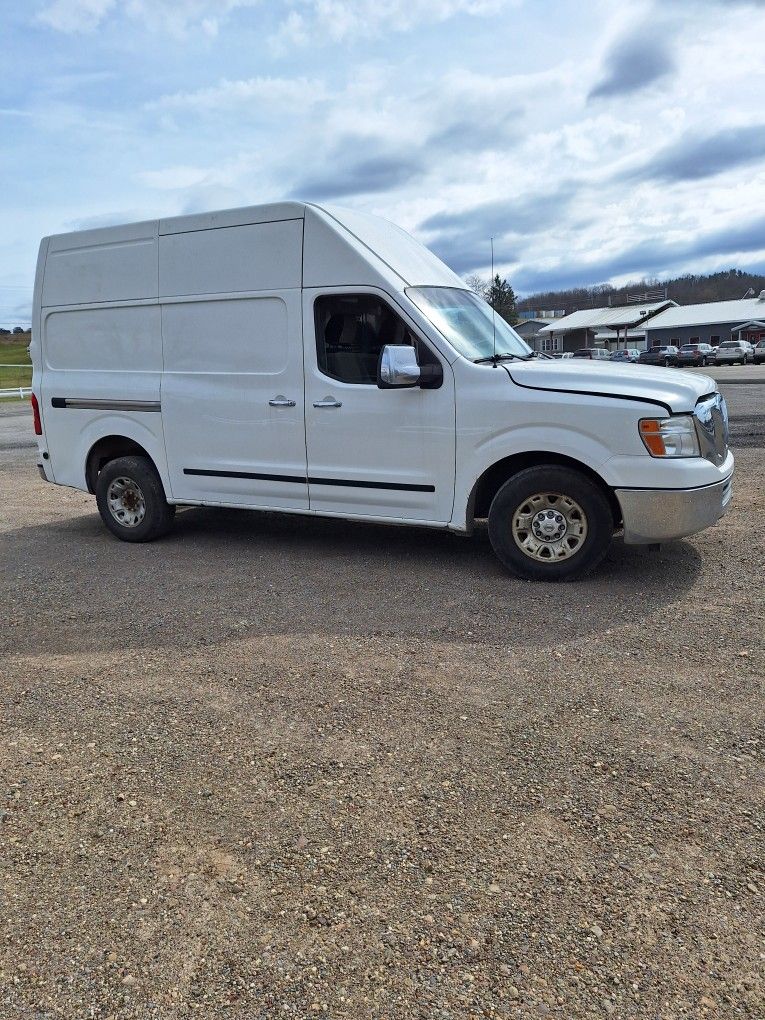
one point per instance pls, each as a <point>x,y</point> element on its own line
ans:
<point>328,402</point>
<point>281,401</point>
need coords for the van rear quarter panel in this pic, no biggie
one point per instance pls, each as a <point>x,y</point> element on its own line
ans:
<point>109,354</point>
<point>109,264</point>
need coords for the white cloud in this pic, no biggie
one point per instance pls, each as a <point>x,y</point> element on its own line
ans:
<point>303,20</point>
<point>75,15</point>
<point>338,20</point>
<point>189,179</point>
<point>432,121</point>
<point>173,16</point>
<point>274,94</point>
<point>174,177</point>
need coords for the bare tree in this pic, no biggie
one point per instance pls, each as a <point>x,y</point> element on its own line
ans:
<point>477,284</point>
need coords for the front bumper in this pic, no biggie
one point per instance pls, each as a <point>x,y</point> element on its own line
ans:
<point>660,515</point>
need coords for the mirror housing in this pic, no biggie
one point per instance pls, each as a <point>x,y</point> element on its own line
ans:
<point>397,367</point>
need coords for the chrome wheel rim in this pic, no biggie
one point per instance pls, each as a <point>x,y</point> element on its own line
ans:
<point>126,502</point>
<point>549,527</point>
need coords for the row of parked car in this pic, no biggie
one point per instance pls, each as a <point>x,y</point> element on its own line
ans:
<point>730,352</point>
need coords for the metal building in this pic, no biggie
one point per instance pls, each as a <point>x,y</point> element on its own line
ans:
<point>618,327</point>
<point>531,331</point>
<point>709,323</point>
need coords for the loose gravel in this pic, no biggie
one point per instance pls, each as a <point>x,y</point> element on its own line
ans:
<point>276,767</point>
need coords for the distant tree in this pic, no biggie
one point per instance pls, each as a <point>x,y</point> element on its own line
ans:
<point>477,284</point>
<point>725,285</point>
<point>5,332</point>
<point>19,329</point>
<point>501,297</point>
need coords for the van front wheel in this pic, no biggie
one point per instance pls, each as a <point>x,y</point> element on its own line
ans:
<point>131,500</point>
<point>550,523</point>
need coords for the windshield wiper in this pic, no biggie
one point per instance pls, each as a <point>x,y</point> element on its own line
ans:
<point>494,358</point>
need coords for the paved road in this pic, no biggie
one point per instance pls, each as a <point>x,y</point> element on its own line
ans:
<point>733,373</point>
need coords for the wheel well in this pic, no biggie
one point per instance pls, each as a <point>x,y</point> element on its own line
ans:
<point>106,449</point>
<point>493,478</point>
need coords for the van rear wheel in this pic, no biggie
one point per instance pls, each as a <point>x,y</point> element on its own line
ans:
<point>550,523</point>
<point>131,500</point>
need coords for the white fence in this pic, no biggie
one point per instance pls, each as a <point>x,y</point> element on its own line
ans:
<point>16,391</point>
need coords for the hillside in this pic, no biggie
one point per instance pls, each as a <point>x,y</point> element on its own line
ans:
<point>685,290</point>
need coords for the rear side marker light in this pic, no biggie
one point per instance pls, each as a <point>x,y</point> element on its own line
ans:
<point>36,416</point>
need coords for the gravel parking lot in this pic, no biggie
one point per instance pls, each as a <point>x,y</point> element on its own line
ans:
<point>282,767</point>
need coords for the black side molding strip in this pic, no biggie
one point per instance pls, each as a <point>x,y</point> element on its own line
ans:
<point>592,393</point>
<point>352,483</point>
<point>95,404</point>
<point>300,479</point>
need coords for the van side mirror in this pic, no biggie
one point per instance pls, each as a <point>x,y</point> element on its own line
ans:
<point>397,367</point>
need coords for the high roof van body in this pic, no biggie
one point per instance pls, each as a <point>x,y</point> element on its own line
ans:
<point>321,361</point>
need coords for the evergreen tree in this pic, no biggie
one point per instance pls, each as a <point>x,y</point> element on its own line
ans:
<point>501,297</point>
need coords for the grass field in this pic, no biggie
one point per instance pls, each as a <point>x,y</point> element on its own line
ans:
<point>14,352</point>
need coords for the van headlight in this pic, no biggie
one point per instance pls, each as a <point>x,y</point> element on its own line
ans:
<point>670,437</point>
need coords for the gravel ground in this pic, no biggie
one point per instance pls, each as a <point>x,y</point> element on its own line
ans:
<point>279,767</point>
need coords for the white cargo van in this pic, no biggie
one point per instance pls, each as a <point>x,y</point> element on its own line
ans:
<point>320,361</point>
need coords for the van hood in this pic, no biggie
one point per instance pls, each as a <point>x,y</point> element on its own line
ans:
<point>675,390</point>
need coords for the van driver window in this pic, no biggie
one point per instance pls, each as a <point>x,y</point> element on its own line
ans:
<point>351,330</point>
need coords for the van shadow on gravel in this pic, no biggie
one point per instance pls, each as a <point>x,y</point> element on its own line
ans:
<point>224,574</point>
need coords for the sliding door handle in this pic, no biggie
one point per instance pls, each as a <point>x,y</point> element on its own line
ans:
<point>281,401</point>
<point>328,402</point>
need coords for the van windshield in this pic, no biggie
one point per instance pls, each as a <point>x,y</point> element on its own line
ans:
<point>468,322</point>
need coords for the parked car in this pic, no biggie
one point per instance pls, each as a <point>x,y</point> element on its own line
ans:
<point>593,353</point>
<point>733,352</point>
<point>758,354</point>
<point>664,354</point>
<point>628,354</point>
<point>222,359</point>
<point>696,354</point>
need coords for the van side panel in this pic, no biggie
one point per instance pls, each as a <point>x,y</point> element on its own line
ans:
<point>101,373</point>
<point>112,264</point>
<point>263,256</point>
<point>232,389</point>
<point>104,340</point>
<point>226,359</point>
<point>344,247</point>
<point>330,258</point>
<point>100,346</point>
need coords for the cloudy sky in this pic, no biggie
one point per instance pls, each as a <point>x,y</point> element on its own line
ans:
<point>596,141</point>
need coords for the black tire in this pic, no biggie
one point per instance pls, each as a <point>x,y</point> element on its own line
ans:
<point>146,494</point>
<point>666,362</point>
<point>561,482</point>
